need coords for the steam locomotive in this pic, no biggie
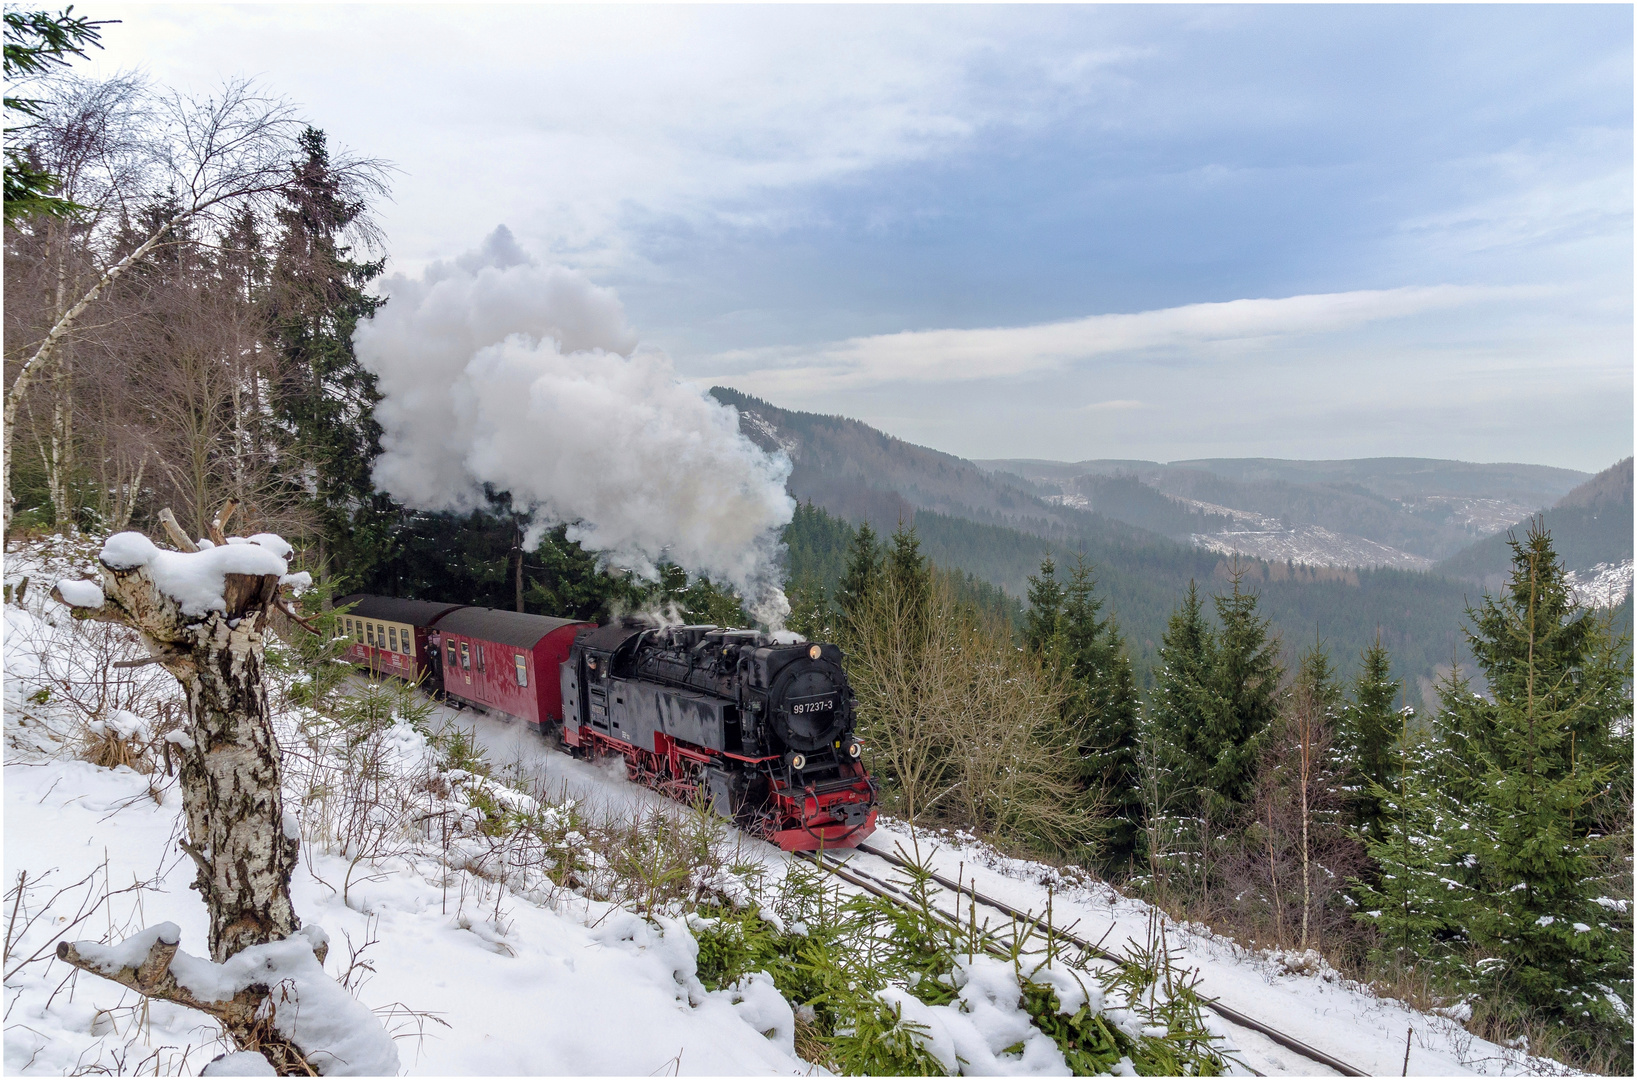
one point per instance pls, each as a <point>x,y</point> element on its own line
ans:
<point>758,726</point>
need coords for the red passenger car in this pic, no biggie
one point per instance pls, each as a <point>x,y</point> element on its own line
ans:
<point>389,636</point>
<point>505,662</point>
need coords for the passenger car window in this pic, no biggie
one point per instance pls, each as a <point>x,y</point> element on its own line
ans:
<point>465,656</point>
<point>522,670</point>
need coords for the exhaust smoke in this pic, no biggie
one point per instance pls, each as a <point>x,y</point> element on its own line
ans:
<point>498,370</point>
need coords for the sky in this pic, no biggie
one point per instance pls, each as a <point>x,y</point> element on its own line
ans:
<point>1066,232</point>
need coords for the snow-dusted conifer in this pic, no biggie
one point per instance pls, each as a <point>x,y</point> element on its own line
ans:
<point>1415,895</point>
<point>1369,731</point>
<point>1534,754</point>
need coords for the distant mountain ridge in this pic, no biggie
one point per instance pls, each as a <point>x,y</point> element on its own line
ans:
<point>862,474</point>
<point>1403,512</point>
<point>998,524</point>
<point>1591,529</point>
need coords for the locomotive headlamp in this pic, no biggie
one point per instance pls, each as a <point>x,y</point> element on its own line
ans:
<point>813,653</point>
<point>798,762</point>
<point>853,748</point>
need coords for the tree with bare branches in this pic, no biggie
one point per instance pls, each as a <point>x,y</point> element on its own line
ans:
<point>1296,851</point>
<point>206,161</point>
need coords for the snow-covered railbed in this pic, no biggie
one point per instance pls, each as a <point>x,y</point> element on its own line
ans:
<point>1298,995</point>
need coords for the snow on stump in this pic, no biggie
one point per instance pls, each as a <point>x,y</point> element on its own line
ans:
<point>201,612</point>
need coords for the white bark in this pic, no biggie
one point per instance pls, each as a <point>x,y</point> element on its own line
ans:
<point>231,792</point>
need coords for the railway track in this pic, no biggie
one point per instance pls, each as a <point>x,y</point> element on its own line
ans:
<point>995,943</point>
<point>860,878</point>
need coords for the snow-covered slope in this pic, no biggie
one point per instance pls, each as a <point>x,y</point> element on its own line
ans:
<point>1311,545</point>
<point>474,976</point>
<point>503,984</point>
<point>1605,585</point>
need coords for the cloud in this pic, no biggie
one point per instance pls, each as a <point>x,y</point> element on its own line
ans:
<point>1192,331</point>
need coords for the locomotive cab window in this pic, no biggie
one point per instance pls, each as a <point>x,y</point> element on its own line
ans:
<point>465,656</point>
<point>522,670</point>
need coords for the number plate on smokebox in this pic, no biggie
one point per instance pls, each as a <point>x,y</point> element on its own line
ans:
<point>808,706</point>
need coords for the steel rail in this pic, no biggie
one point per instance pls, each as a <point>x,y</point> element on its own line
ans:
<point>1232,1015</point>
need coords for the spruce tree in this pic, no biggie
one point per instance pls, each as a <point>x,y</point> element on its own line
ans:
<point>864,560</point>
<point>1184,709</point>
<point>1106,731</point>
<point>1534,755</point>
<point>1185,701</point>
<point>1413,900</point>
<point>315,300</point>
<point>1246,678</point>
<point>1042,622</point>
<point>910,571</point>
<point>1371,727</point>
<point>1064,624</point>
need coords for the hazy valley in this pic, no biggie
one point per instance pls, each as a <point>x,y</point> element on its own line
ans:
<point>1338,550</point>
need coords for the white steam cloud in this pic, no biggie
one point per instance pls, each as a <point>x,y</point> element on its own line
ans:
<point>495,369</point>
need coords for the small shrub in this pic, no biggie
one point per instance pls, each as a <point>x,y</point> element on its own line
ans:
<point>122,739</point>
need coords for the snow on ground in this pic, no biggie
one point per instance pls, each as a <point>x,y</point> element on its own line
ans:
<point>515,987</point>
<point>1312,1002</point>
<point>1605,585</point>
<point>1318,1006</point>
<point>496,982</point>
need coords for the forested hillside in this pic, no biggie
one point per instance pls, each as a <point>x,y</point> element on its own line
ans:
<point>1417,616</point>
<point>1590,525</point>
<point>993,526</point>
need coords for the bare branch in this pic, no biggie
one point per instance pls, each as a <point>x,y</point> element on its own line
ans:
<point>219,522</point>
<point>284,606</point>
<point>174,531</point>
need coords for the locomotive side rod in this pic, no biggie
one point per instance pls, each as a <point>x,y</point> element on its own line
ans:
<point>1232,1015</point>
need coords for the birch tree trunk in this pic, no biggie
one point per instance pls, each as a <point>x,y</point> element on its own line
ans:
<point>238,837</point>
<point>241,842</point>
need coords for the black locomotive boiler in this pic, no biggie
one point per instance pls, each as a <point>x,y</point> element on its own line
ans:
<point>760,727</point>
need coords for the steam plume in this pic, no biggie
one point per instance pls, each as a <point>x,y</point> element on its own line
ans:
<point>498,370</point>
